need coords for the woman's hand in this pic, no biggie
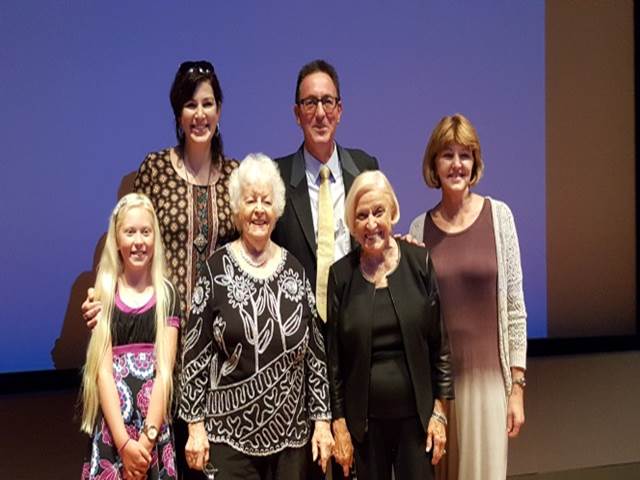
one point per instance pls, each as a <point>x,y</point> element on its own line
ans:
<point>515,411</point>
<point>197,447</point>
<point>343,449</point>
<point>407,237</point>
<point>90,309</point>
<point>322,443</point>
<point>135,459</point>
<point>436,439</point>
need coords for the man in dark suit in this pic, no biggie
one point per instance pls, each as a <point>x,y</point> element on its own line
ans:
<point>317,110</point>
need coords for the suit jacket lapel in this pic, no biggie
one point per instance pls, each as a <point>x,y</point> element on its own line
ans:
<point>349,168</point>
<point>349,172</point>
<point>300,199</point>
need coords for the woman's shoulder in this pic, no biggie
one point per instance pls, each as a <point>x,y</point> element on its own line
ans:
<point>343,268</point>
<point>291,263</point>
<point>500,209</point>
<point>172,294</point>
<point>228,165</point>
<point>170,287</point>
<point>290,258</point>
<point>156,156</point>
<point>155,161</point>
<point>154,166</point>
<point>218,254</point>
<point>411,252</point>
<point>416,228</point>
<point>498,204</point>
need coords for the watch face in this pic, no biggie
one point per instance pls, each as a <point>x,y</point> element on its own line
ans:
<point>151,432</point>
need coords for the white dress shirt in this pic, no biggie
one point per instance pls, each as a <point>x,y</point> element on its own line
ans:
<point>342,244</point>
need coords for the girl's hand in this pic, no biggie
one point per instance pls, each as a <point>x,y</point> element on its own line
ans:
<point>135,458</point>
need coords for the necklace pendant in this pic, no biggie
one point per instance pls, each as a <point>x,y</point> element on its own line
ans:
<point>200,242</point>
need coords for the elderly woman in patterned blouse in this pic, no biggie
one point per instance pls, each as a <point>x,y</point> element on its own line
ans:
<point>255,377</point>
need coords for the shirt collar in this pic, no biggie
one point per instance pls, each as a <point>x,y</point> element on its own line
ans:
<point>312,164</point>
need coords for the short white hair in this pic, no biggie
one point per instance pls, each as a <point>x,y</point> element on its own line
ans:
<point>370,181</point>
<point>256,167</point>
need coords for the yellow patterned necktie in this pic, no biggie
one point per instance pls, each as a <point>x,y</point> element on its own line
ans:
<point>325,240</point>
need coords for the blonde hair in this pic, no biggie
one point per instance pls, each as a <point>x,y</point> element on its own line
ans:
<point>371,180</point>
<point>452,129</point>
<point>109,270</point>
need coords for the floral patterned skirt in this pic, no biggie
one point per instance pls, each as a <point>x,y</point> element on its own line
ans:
<point>133,371</point>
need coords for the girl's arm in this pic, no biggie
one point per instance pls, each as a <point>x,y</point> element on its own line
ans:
<point>110,401</point>
<point>157,407</point>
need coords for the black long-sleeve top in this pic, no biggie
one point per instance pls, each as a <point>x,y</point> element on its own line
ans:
<point>254,360</point>
<point>414,293</point>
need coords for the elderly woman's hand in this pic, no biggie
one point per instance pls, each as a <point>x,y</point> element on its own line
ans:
<point>437,436</point>
<point>197,447</point>
<point>322,443</point>
<point>343,449</point>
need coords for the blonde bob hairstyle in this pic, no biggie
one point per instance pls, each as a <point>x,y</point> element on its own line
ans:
<point>256,168</point>
<point>452,129</point>
<point>370,181</point>
<point>110,269</point>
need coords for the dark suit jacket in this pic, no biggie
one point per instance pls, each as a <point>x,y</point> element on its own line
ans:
<point>414,293</point>
<point>294,230</point>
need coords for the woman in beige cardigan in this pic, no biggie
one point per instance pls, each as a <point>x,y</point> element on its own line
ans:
<point>474,248</point>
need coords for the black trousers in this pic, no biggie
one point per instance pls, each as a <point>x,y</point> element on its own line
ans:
<point>397,444</point>
<point>289,464</point>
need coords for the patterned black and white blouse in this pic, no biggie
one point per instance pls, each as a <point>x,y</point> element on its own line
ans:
<point>254,362</point>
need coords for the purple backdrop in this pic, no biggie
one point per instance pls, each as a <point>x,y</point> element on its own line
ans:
<point>85,96</point>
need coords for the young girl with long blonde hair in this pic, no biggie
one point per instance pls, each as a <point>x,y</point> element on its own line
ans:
<point>127,381</point>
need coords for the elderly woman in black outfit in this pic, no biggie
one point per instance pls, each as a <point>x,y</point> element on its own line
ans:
<point>387,350</point>
<point>255,382</point>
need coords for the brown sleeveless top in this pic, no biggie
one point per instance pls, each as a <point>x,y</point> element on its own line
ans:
<point>467,271</point>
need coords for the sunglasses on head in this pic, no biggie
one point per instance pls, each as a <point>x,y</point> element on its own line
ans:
<point>202,67</point>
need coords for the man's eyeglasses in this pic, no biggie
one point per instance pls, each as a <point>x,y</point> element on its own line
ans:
<point>203,67</point>
<point>310,104</point>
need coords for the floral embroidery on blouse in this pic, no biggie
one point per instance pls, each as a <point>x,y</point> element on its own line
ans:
<point>254,361</point>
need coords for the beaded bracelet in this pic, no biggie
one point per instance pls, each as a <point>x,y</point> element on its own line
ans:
<point>123,445</point>
<point>441,418</point>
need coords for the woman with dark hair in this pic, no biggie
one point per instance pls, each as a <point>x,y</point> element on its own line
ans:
<point>188,185</point>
